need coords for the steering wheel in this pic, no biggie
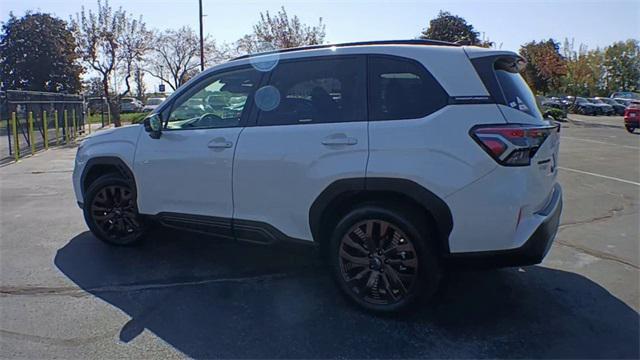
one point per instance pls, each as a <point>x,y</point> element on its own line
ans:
<point>208,120</point>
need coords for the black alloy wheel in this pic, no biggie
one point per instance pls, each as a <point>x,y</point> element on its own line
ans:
<point>111,211</point>
<point>381,260</point>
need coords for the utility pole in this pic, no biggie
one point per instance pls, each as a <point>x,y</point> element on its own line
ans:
<point>201,40</point>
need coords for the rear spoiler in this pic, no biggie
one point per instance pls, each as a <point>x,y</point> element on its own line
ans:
<point>504,60</point>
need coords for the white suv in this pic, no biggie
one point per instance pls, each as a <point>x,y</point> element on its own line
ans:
<point>395,158</point>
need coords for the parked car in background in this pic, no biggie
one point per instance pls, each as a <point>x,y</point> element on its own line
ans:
<point>152,103</point>
<point>625,95</point>
<point>618,108</point>
<point>623,101</point>
<point>632,116</point>
<point>580,105</point>
<point>130,105</point>
<point>547,104</point>
<point>602,108</point>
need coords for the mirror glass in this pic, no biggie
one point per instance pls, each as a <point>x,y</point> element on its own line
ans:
<point>154,122</point>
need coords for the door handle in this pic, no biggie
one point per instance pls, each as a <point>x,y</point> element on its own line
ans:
<point>342,140</point>
<point>217,144</point>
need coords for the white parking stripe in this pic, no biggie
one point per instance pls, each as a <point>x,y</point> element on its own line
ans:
<point>600,142</point>
<point>600,176</point>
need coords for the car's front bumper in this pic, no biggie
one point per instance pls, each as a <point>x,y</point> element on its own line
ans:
<point>531,252</point>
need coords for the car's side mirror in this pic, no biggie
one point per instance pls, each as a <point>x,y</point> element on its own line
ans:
<point>153,125</point>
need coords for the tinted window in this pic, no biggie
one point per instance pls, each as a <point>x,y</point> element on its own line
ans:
<point>517,93</point>
<point>314,91</point>
<point>402,89</point>
<point>216,102</point>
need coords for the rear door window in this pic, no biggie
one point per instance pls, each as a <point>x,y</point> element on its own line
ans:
<point>312,91</point>
<point>402,89</point>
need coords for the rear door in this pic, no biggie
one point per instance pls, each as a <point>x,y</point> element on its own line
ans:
<point>310,130</point>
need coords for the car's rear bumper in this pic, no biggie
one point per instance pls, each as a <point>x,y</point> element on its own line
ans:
<point>632,121</point>
<point>531,252</point>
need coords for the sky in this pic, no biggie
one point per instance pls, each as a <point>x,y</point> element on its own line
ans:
<point>507,23</point>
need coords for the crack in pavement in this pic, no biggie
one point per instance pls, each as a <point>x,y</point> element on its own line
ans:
<point>611,213</point>
<point>79,292</point>
<point>596,253</point>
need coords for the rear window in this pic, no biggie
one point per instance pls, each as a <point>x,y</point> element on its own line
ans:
<point>517,93</point>
<point>501,77</point>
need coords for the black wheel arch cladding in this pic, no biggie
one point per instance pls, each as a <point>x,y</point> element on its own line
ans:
<point>108,164</point>
<point>430,202</point>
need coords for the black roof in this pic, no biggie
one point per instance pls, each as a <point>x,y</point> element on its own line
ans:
<point>360,43</point>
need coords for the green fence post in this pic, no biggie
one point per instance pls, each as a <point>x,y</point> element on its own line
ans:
<point>55,119</point>
<point>45,126</point>
<point>32,139</point>
<point>66,127</point>
<point>16,140</point>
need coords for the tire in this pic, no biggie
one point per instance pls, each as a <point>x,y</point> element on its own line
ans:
<point>630,129</point>
<point>111,212</point>
<point>405,278</point>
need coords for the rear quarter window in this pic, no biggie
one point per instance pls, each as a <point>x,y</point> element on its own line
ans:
<point>402,89</point>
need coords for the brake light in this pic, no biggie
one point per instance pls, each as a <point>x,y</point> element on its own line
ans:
<point>512,144</point>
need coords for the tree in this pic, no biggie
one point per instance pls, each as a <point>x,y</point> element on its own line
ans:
<point>108,39</point>
<point>585,72</point>
<point>621,64</point>
<point>453,28</point>
<point>175,59</point>
<point>280,32</point>
<point>134,44</point>
<point>138,78</point>
<point>31,61</point>
<point>92,87</point>
<point>545,65</point>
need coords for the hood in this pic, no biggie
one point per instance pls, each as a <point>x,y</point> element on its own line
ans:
<point>127,133</point>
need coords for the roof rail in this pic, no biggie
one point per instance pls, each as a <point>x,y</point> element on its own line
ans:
<point>360,43</point>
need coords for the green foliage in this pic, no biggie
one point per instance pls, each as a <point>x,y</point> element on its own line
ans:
<point>545,66</point>
<point>37,52</point>
<point>601,72</point>
<point>452,28</point>
<point>555,113</point>
<point>621,64</point>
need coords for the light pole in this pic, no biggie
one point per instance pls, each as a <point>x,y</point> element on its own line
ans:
<point>201,40</point>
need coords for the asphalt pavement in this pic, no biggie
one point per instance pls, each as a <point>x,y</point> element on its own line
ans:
<point>64,294</point>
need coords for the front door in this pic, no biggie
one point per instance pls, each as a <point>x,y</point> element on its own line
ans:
<point>186,173</point>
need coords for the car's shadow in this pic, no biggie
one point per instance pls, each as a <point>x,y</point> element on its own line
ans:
<point>212,299</point>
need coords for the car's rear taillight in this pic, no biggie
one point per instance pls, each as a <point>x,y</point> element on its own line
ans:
<point>512,144</point>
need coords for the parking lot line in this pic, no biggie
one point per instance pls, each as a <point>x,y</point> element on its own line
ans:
<point>600,176</point>
<point>600,142</point>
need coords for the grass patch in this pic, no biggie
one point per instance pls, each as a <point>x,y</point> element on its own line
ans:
<point>133,118</point>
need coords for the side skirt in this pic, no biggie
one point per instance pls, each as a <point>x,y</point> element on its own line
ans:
<point>256,232</point>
